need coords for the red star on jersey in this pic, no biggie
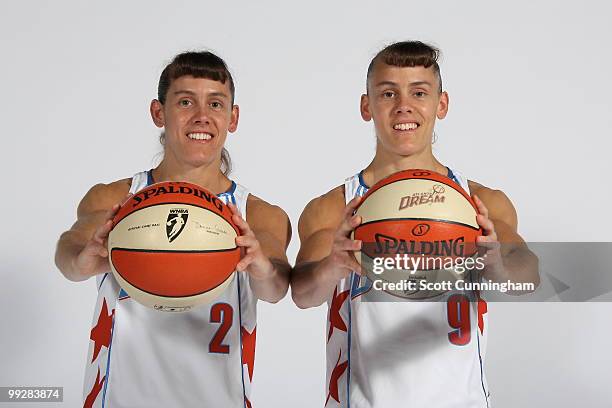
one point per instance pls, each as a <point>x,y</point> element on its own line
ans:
<point>247,402</point>
<point>95,390</point>
<point>248,349</point>
<point>335,320</point>
<point>101,333</point>
<point>333,381</point>
<point>482,309</point>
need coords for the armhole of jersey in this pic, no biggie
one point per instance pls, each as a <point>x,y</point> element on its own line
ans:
<point>351,185</point>
<point>463,182</point>
<point>243,205</point>
<point>139,181</point>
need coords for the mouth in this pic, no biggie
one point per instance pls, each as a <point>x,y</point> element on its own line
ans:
<point>406,126</point>
<point>200,136</point>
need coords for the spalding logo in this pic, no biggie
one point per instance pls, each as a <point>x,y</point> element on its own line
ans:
<point>175,223</point>
<point>420,230</point>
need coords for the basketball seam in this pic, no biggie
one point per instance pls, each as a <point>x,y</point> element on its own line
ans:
<point>417,219</point>
<point>174,251</point>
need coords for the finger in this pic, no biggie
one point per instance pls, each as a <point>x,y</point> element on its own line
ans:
<point>352,205</point>
<point>95,249</point>
<point>244,263</point>
<point>102,232</point>
<point>247,241</point>
<point>488,242</point>
<point>110,214</point>
<point>346,244</point>
<point>237,218</point>
<point>352,264</point>
<point>482,209</point>
<point>354,221</point>
<point>233,208</point>
<point>486,224</point>
<point>348,225</point>
<point>103,251</point>
<point>243,226</point>
<point>127,198</point>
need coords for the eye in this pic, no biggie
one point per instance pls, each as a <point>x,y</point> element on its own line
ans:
<point>184,102</point>
<point>216,105</point>
<point>388,94</point>
<point>420,94</point>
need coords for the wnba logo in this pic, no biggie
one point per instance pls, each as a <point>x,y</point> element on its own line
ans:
<point>175,222</point>
<point>428,197</point>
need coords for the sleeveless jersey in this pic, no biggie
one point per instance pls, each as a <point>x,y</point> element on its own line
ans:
<point>141,357</point>
<point>404,353</point>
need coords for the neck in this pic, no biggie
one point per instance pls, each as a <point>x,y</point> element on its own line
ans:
<point>208,176</point>
<point>385,163</point>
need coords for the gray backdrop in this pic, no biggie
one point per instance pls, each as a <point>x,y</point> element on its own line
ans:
<point>529,89</point>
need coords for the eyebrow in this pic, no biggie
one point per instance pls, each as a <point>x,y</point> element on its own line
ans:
<point>391,83</point>
<point>212,94</point>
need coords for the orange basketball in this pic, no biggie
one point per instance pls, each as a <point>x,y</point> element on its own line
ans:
<point>173,246</point>
<point>420,214</point>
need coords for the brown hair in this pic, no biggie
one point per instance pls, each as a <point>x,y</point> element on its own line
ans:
<point>408,54</point>
<point>199,64</point>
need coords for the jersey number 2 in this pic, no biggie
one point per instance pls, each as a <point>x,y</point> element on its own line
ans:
<point>224,314</point>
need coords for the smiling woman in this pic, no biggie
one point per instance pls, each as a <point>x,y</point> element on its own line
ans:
<point>198,65</point>
<point>174,355</point>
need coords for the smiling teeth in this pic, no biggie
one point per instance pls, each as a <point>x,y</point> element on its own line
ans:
<point>200,136</point>
<point>405,126</point>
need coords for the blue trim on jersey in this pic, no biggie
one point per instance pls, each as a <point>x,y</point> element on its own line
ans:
<point>361,190</point>
<point>229,194</point>
<point>348,373</point>
<point>481,371</point>
<point>484,390</point>
<point>150,177</point>
<point>449,174</point>
<point>107,374</point>
<point>240,338</point>
<point>362,181</point>
<point>357,289</point>
<point>102,281</point>
<point>452,176</point>
<point>123,293</point>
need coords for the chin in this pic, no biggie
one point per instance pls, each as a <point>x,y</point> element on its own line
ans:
<point>407,150</point>
<point>197,160</point>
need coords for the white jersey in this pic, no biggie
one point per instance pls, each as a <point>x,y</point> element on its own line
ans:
<point>141,357</point>
<point>404,354</point>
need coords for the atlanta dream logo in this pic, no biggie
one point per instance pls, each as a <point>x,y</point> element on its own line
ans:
<point>177,219</point>
<point>425,197</point>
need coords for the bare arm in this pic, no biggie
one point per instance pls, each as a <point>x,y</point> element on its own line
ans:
<point>509,256</point>
<point>326,252</point>
<point>81,251</point>
<point>265,239</point>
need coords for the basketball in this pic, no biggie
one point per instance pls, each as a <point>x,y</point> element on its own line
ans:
<point>424,221</point>
<point>173,246</point>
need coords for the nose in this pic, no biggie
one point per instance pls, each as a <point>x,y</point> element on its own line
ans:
<point>403,105</point>
<point>201,116</point>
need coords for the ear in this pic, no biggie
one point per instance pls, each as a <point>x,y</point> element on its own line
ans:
<point>364,107</point>
<point>157,113</point>
<point>233,125</point>
<point>442,106</point>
